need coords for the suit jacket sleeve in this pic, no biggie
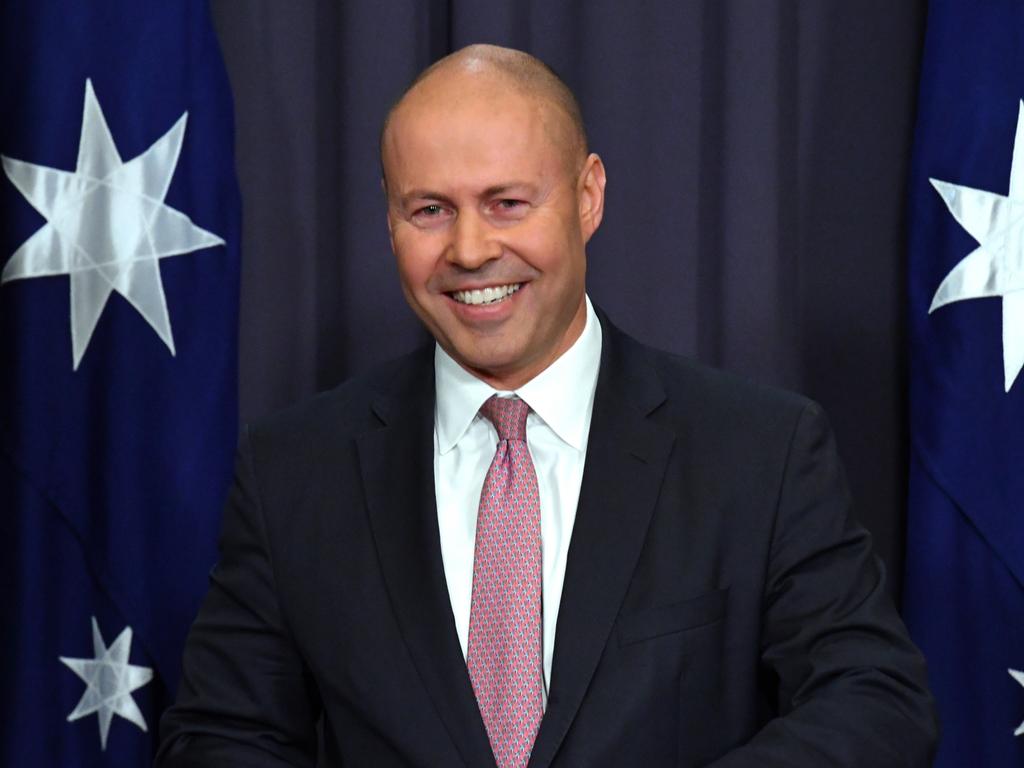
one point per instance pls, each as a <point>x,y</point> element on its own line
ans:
<point>850,686</point>
<point>245,698</point>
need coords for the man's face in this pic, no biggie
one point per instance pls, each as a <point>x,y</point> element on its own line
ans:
<point>489,213</point>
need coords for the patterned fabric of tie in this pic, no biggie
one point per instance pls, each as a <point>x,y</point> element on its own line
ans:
<point>504,654</point>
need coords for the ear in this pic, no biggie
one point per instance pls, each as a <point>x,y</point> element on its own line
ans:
<point>590,193</point>
<point>387,212</point>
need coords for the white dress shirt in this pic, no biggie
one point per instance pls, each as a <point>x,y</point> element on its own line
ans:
<point>561,399</point>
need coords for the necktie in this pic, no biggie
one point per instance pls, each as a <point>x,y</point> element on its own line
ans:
<point>504,653</point>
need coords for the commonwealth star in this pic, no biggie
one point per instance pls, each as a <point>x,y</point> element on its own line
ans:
<point>111,680</point>
<point>107,225</point>
<point>996,267</point>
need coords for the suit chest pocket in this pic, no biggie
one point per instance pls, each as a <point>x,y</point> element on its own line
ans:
<point>681,616</point>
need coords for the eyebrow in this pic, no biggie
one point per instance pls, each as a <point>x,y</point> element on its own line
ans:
<point>500,189</point>
<point>424,194</point>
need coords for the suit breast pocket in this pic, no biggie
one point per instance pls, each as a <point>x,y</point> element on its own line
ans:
<point>674,618</point>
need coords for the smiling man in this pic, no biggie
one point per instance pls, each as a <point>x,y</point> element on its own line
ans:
<point>490,187</point>
<point>538,542</point>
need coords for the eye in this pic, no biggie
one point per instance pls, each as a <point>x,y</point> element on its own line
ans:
<point>509,208</point>
<point>431,215</point>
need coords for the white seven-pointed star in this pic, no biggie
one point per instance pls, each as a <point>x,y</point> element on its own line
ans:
<point>996,267</point>
<point>107,225</point>
<point>111,680</point>
<point>1019,677</point>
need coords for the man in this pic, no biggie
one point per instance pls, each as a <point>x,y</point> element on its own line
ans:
<point>656,566</point>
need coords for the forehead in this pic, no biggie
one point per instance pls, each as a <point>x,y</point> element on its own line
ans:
<point>471,131</point>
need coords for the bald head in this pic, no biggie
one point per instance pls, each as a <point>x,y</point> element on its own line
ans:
<point>488,71</point>
<point>492,197</point>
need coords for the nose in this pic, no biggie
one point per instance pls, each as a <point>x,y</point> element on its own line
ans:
<point>473,241</point>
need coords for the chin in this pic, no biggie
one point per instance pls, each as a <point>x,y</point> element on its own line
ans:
<point>486,365</point>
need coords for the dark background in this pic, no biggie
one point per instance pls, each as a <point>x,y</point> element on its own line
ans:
<point>757,153</point>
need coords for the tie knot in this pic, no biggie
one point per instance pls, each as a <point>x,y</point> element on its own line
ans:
<point>508,415</point>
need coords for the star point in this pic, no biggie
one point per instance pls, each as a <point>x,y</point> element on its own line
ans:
<point>996,267</point>
<point>1019,677</point>
<point>110,681</point>
<point>107,225</point>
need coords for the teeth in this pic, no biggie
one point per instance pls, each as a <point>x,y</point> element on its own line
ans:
<point>489,295</point>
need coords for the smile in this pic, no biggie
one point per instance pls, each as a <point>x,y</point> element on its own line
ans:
<point>489,295</point>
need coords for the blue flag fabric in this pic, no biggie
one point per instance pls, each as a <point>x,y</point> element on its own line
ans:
<point>964,587</point>
<point>119,232</point>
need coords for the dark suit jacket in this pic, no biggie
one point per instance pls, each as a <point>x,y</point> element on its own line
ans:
<point>720,605</point>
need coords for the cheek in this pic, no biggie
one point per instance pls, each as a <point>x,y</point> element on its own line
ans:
<point>560,261</point>
<point>553,241</point>
<point>415,257</point>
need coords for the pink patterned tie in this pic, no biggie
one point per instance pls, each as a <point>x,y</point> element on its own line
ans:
<point>504,655</point>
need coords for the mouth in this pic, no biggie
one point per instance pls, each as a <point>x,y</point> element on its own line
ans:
<point>483,296</point>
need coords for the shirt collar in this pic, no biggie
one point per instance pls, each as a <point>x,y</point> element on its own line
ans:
<point>562,395</point>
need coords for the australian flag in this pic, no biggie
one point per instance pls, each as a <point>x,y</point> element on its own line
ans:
<point>964,593</point>
<point>119,266</point>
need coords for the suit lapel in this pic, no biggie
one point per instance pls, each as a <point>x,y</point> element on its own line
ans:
<point>397,466</point>
<point>626,459</point>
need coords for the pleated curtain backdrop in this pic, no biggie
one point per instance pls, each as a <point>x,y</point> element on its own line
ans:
<point>756,150</point>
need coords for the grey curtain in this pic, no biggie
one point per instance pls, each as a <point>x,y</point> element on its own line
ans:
<point>756,154</point>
